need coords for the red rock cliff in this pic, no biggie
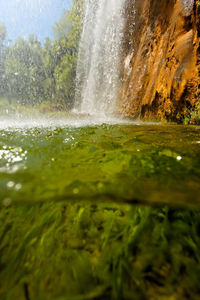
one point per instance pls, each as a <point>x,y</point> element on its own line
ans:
<point>161,65</point>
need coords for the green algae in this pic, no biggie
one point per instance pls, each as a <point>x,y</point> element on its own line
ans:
<point>117,162</point>
<point>86,251</point>
<point>100,212</point>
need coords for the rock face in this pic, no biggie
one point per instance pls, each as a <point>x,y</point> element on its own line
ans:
<point>161,64</point>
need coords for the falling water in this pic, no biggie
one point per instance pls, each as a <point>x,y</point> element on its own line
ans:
<point>98,68</point>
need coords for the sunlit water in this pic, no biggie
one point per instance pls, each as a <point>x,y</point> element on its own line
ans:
<point>73,120</point>
<point>86,159</point>
<point>78,195</point>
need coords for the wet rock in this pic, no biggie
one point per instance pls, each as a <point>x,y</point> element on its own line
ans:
<point>187,6</point>
<point>161,70</point>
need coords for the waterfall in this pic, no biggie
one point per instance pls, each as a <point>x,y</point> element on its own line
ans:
<point>99,59</point>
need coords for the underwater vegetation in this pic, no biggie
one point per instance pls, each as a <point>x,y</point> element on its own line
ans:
<point>99,251</point>
<point>99,212</point>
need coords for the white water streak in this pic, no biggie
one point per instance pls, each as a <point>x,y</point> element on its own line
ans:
<point>99,60</point>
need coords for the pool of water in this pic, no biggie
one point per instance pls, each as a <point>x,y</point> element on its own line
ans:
<point>94,210</point>
<point>80,160</point>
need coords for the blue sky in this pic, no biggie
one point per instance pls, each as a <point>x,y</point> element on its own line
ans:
<point>23,17</point>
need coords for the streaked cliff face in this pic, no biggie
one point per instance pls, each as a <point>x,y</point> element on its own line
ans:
<point>161,64</point>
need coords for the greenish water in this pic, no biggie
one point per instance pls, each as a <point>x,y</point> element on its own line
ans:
<point>134,163</point>
<point>99,211</point>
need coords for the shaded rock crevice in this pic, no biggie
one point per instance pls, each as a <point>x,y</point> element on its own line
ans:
<point>161,64</point>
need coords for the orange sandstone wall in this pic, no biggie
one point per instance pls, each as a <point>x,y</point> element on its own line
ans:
<point>161,63</point>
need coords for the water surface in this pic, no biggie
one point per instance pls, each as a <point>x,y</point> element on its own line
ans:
<point>93,210</point>
<point>81,159</point>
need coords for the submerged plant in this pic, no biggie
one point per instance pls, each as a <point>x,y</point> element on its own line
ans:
<point>105,251</point>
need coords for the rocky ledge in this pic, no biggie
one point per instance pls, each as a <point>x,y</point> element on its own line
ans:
<point>161,63</point>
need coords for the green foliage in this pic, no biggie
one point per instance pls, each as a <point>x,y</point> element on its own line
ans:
<point>24,71</point>
<point>64,76</point>
<point>16,74</point>
<point>2,34</point>
<point>194,117</point>
<point>65,51</point>
<point>33,74</point>
<point>3,52</point>
<point>62,29</point>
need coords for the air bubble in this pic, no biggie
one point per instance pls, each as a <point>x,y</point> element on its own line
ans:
<point>10,184</point>
<point>179,158</point>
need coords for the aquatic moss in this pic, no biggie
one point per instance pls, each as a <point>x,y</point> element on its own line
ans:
<point>104,251</point>
<point>71,221</point>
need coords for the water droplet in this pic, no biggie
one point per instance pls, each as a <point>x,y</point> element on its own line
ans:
<point>18,187</point>
<point>10,184</point>
<point>17,159</point>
